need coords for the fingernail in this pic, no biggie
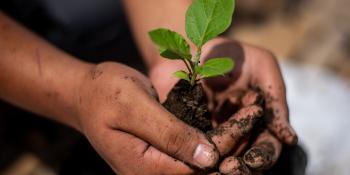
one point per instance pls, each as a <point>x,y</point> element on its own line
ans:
<point>257,159</point>
<point>205,156</point>
<point>252,160</point>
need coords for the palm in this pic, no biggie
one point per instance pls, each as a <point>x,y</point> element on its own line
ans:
<point>248,67</point>
<point>254,69</point>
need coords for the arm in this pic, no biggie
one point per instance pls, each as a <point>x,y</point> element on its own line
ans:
<point>37,76</point>
<point>113,105</point>
<point>146,16</point>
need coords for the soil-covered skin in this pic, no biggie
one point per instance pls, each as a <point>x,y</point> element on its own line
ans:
<point>189,104</point>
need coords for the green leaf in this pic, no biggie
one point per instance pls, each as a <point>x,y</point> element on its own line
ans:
<point>206,19</point>
<point>216,66</point>
<point>182,75</point>
<point>171,44</point>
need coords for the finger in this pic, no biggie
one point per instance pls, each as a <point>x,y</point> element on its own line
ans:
<point>154,124</point>
<point>269,79</point>
<point>241,146</point>
<point>252,97</point>
<point>234,166</point>
<point>215,173</point>
<point>227,136</point>
<point>127,154</point>
<point>225,105</point>
<point>264,152</point>
<point>230,102</point>
<point>249,98</point>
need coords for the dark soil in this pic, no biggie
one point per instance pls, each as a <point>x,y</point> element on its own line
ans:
<point>189,104</point>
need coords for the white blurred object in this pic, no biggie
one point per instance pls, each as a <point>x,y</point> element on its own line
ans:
<point>319,104</point>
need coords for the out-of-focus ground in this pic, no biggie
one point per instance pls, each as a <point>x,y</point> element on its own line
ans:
<point>319,111</point>
<point>312,40</point>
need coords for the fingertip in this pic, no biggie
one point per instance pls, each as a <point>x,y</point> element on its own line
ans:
<point>257,158</point>
<point>286,134</point>
<point>252,98</point>
<point>294,140</point>
<point>205,156</point>
<point>291,137</point>
<point>230,164</point>
<point>253,111</point>
<point>234,166</point>
<point>227,135</point>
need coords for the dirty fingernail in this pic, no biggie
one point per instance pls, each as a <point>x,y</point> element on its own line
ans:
<point>257,159</point>
<point>205,156</point>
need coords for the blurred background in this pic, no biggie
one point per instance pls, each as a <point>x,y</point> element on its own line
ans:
<point>311,39</point>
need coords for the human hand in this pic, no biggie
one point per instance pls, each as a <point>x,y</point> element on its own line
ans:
<point>121,117</point>
<point>255,69</point>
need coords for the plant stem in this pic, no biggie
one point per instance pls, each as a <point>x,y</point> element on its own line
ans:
<point>196,62</point>
<point>187,66</point>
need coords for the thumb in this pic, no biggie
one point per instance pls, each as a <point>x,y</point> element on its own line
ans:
<point>155,125</point>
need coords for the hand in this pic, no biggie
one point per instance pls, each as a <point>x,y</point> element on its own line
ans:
<point>121,117</point>
<point>255,69</point>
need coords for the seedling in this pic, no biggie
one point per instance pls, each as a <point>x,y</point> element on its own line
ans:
<point>205,20</point>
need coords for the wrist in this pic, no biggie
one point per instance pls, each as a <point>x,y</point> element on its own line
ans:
<point>71,94</point>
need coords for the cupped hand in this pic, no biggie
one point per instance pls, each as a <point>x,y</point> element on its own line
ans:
<point>255,70</point>
<point>119,113</point>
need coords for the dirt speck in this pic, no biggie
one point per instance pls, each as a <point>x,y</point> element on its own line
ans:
<point>52,95</point>
<point>116,94</point>
<point>95,73</point>
<point>219,131</point>
<point>133,79</point>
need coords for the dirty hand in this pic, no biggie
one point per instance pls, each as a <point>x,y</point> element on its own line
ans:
<point>255,69</point>
<point>119,113</point>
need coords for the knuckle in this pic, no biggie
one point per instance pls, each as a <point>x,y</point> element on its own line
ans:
<point>267,54</point>
<point>250,111</point>
<point>179,143</point>
<point>250,98</point>
<point>229,165</point>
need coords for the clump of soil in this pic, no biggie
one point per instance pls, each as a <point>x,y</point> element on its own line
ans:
<point>189,103</point>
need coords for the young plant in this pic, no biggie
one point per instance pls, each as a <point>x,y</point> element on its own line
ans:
<point>205,19</point>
